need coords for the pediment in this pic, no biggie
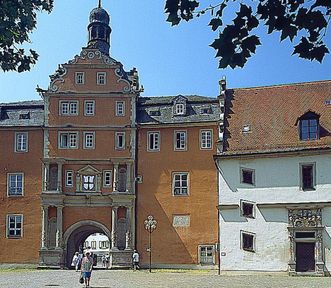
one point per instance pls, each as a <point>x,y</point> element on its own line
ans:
<point>179,99</point>
<point>88,170</point>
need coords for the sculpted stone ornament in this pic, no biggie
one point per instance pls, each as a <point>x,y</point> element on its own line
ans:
<point>305,217</point>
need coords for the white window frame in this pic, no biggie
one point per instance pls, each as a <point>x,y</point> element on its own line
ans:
<point>21,142</point>
<point>68,108</point>
<point>301,165</point>
<point>15,228</point>
<point>179,109</point>
<point>182,140</point>
<point>107,174</point>
<point>242,169</point>
<point>15,193</point>
<point>101,78</point>
<point>89,142</point>
<point>156,135</point>
<point>206,246</point>
<point>206,139</point>
<point>181,187</point>
<point>103,244</point>
<point>69,178</point>
<point>94,183</point>
<point>244,202</point>
<point>94,244</point>
<point>120,108</point>
<point>80,78</point>
<point>242,232</point>
<point>69,140</point>
<point>89,108</point>
<point>117,142</point>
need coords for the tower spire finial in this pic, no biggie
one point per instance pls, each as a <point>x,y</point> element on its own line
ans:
<point>99,4</point>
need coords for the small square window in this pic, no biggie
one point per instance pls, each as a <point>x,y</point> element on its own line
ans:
<point>120,140</point>
<point>248,241</point>
<point>207,254</point>
<point>68,108</point>
<point>89,108</point>
<point>68,140</point>
<point>14,226</point>
<point>101,78</point>
<point>180,184</point>
<point>307,172</point>
<point>79,77</point>
<point>15,184</point>
<point>120,108</point>
<point>247,209</point>
<point>247,176</point>
<point>21,142</point>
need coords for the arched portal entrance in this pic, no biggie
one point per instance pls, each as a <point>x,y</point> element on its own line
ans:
<point>77,233</point>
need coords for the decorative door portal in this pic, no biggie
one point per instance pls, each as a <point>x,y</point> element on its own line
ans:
<point>306,241</point>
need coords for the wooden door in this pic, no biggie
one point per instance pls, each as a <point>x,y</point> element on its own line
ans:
<point>305,257</point>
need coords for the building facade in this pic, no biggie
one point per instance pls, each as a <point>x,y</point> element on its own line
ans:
<point>96,157</point>
<point>274,179</point>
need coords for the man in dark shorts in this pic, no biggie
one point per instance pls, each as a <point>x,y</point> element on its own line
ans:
<point>86,268</point>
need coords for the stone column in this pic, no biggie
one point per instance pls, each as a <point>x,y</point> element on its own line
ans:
<point>44,226</point>
<point>114,228</point>
<point>58,227</point>
<point>128,177</point>
<point>128,235</point>
<point>59,177</point>
<point>115,179</point>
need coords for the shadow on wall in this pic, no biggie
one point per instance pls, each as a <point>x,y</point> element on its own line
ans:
<point>279,215</point>
<point>232,215</point>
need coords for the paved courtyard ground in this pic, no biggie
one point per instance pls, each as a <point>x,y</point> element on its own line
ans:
<point>158,278</point>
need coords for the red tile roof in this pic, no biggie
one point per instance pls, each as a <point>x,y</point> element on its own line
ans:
<point>271,114</point>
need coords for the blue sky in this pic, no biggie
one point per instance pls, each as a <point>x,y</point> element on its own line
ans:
<point>170,60</point>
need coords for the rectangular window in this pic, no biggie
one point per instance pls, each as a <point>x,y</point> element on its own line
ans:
<point>247,176</point>
<point>153,141</point>
<point>15,184</point>
<point>101,78</point>
<point>68,140</point>
<point>107,178</point>
<point>103,244</point>
<point>247,209</point>
<point>307,176</point>
<point>89,108</point>
<point>309,129</point>
<point>88,140</point>
<point>88,182</point>
<point>94,244</point>
<point>120,140</point>
<point>21,142</point>
<point>86,244</point>
<point>120,108</point>
<point>247,241</point>
<point>79,77</point>
<point>69,179</point>
<point>179,109</point>
<point>14,226</point>
<point>180,140</point>
<point>68,108</point>
<point>207,254</point>
<point>180,184</point>
<point>206,137</point>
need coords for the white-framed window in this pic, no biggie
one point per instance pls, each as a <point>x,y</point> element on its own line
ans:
<point>101,78</point>
<point>247,241</point>
<point>15,184</point>
<point>180,183</point>
<point>68,108</point>
<point>107,178</point>
<point>89,140</point>
<point>68,140</point>
<point>120,140</point>
<point>89,182</point>
<point>179,109</point>
<point>247,209</point>
<point>307,176</point>
<point>103,244</point>
<point>86,244</point>
<point>79,77</point>
<point>69,178</point>
<point>14,225</point>
<point>120,108</point>
<point>247,176</point>
<point>153,141</point>
<point>207,254</point>
<point>180,140</point>
<point>89,107</point>
<point>206,139</point>
<point>21,142</point>
<point>94,244</point>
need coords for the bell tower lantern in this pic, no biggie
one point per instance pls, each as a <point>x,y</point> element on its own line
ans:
<point>99,30</point>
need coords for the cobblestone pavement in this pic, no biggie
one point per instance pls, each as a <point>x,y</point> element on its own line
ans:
<point>159,278</point>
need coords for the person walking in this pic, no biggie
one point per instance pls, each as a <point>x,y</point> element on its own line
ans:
<point>86,268</point>
<point>135,260</point>
<point>75,260</point>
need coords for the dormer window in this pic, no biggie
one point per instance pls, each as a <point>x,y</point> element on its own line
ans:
<point>179,109</point>
<point>179,105</point>
<point>309,126</point>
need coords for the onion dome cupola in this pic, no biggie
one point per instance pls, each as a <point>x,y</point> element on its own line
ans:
<point>99,30</point>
